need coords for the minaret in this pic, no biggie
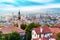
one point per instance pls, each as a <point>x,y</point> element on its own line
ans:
<point>19,19</point>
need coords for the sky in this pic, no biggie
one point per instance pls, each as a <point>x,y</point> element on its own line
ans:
<point>8,6</point>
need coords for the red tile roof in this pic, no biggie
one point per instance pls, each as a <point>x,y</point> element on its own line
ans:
<point>45,30</point>
<point>53,36</point>
<point>10,29</point>
<point>45,39</point>
<point>41,39</point>
<point>37,30</point>
<point>55,30</point>
<point>58,25</point>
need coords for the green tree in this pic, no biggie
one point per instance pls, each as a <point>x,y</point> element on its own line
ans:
<point>15,36</point>
<point>37,25</point>
<point>28,35</point>
<point>1,35</point>
<point>23,26</point>
<point>30,26</point>
<point>16,25</point>
<point>29,29</point>
<point>47,25</point>
<point>1,26</point>
<point>58,36</point>
<point>7,36</point>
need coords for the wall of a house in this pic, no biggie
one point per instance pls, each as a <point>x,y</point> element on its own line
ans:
<point>34,34</point>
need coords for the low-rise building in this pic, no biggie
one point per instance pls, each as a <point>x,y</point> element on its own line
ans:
<point>42,33</point>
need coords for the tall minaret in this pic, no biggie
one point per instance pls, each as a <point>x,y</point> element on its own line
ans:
<point>19,20</point>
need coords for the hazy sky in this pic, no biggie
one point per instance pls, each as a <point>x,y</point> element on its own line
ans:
<point>7,6</point>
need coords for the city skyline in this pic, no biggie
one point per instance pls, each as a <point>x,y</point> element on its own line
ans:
<point>13,6</point>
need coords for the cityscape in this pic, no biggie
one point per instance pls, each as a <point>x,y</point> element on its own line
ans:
<point>29,19</point>
<point>30,27</point>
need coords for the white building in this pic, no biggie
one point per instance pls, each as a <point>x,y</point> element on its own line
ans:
<point>42,33</point>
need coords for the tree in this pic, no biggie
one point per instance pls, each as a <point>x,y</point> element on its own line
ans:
<point>28,35</point>
<point>0,35</point>
<point>58,36</point>
<point>15,36</point>
<point>51,25</point>
<point>7,36</point>
<point>29,29</point>
<point>23,26</point>
<point>37,25</point>
<point>46,25</point>
<point>11,36</point>
<point>1,26</point>
<point>32,25</point>
<point>16,25</point>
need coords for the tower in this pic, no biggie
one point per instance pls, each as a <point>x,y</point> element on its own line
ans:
<point>19,16</point>
<point>19,20</point>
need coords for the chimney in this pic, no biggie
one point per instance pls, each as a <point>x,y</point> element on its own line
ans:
<point>41,29</point>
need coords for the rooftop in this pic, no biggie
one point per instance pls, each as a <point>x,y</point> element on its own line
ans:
<point>10,29</point>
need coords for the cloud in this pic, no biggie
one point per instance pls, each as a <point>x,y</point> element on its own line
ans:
<point>38,8</point>
<point>19,3</point>
<point>42,1</point>
<point>25,9</point>
<point>29,8</point>
<point>26,5</point>
<point>7,1</point>
<point>53,5</point>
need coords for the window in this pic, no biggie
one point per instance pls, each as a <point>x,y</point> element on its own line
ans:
<point>32,33</point>
<point>47,35</point>
<point>40,36</point>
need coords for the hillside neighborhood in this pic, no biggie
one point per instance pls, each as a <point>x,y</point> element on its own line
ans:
<point>23,28</point>
<point>29,19</point>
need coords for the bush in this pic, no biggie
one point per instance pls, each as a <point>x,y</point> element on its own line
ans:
<point>58,36</point>
<point>23,26</point>
<point>15,36</point>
